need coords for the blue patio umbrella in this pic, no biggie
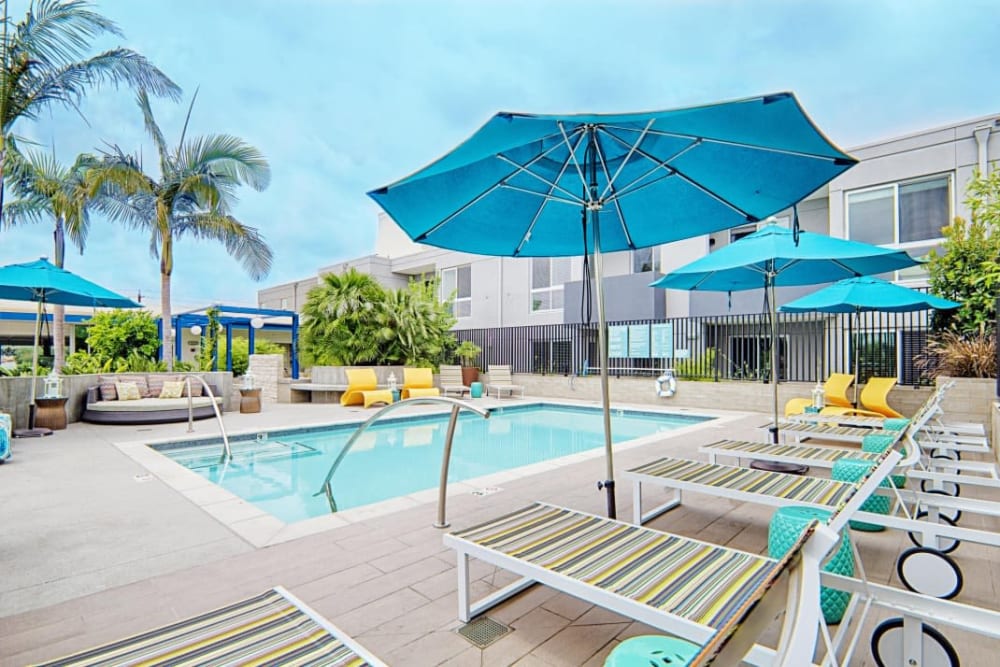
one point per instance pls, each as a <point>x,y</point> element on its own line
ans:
<point>43,282</point>
<point>527,185</point>
<point>866,294</point>
<point>777,257</point>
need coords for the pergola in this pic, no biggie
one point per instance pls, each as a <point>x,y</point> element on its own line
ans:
<point>239,317</point>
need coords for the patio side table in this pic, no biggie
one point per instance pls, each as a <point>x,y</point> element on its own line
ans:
<point>249,400</point>
<point>51,413</point>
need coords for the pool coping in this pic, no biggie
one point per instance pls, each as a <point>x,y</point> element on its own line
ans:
<point>260,529</point>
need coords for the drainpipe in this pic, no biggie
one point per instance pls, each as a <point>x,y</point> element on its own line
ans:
<point>982,135</point>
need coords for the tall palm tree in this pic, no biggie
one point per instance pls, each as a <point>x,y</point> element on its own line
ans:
<point>48,190</point>
<point>192,197</point>
<point>45,63</point>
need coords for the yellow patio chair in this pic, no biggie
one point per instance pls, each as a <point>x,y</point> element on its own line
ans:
<point>362,388</point>
<point>875,396</point>
<point>834,394</point>
<point>419,382</point>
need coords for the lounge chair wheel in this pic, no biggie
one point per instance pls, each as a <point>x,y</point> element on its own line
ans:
<point>947,545</point>
<point>887,646</point>
<point>930,572</point>
<point>947,454</point>
<point>952,514</point>
<point>947,488</point>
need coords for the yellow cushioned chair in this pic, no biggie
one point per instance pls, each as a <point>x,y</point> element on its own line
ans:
<point>834,394</point>
<point>874,398</point>
<point>359,380</point>
<point>419,382</point>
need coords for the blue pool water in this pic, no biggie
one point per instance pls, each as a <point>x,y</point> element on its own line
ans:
<point>280,472</point>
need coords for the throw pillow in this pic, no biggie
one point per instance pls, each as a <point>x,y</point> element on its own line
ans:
<point>140,383</point>
<point>172,389</point>
<point>127,391</point>
<point>155,383</point>
<point>196,388</point>
<point>106,385</point>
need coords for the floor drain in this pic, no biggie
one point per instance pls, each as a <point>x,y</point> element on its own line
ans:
<point>483,631</point>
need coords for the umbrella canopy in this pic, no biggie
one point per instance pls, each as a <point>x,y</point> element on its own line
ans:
<point>773,257</point>
<point>527,185</point>
<point>866,294</point>
<point>43,282</point>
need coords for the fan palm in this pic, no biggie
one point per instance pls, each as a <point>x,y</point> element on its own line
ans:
<point>45,64</point>
<point>338,319</point>
<point>192,197</point>
<point>48,190</point>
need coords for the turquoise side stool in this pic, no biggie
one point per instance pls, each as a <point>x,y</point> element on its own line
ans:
<point>851,470</point>
<point>5,430</point>
<point>652,651</point>
<point>476,390</point>
<point>878,442</point>
<point>784,530</point>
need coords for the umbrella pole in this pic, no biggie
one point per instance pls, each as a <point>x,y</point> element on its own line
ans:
<point>857,353</point>
<point>34,364</point>
<point>774,355</point>
<point>602,343</point>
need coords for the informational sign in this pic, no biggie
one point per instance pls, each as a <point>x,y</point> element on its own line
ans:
<point>638,341</point>
<point>663,340</point>
<point>618,342</point>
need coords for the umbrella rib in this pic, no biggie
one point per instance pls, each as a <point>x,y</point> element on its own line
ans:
<point>572,152</point>
<point>451,216</point>
<point>534,219</point>
<point>553,185</point>
<point>614,200</point>
<point>611,180</point>
<point>541,195</point>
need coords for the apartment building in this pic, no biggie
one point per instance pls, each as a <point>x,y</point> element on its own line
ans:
<point>901,194</point>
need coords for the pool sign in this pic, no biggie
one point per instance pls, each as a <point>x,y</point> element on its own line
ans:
<point>638,341</point>
<point>663,340</point>
<point>618,342</point>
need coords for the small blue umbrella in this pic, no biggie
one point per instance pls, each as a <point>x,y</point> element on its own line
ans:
<point>43,282</point>
<point>527,185</point>
<point>777,257</point>
<point>866,294</point>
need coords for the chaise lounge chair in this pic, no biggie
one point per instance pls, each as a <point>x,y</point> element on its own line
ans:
<point>713,596</point>
<point>500,382</point>
<point>273,628</point>
<point>451,381</point>
<point>418,382</point>
<point>834,393</point>
<point>362,388</point>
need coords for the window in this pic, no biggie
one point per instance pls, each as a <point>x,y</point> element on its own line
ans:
<point>645,260</point>
<point>905,213</point>
<point>548,275</point>
<point>284,303</point>
<point>456,284</point>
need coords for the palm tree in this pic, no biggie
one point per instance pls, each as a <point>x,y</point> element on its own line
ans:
<point>339,319</point>
<point>46,189</point>
<point>45,64</point>
<point>192,197</point>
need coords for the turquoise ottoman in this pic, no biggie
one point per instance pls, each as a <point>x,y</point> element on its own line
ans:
<point>784,530</point>
<point>851,470</point>
<point>646,650</point>
<point>878,442</point>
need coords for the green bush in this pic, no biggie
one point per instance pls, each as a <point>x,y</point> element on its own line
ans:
<point>701,367</point>
<point>117,334</point>
<point>241,352</point>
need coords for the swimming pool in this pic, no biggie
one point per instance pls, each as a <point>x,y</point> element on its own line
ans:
<point>280,471</point>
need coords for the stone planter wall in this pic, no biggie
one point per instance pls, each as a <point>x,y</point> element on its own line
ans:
<point>970,400</point>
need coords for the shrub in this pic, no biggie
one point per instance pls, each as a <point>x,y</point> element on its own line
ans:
<point>959,355</point>
<point>241,352</point>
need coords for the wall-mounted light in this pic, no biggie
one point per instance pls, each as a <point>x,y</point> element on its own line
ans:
<point>256,323</point>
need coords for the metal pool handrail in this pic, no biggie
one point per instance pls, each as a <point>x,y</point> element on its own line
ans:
<point>456,407</point>
<point>227,452</point>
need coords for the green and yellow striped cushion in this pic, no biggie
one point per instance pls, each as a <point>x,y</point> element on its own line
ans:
<point>795,488</point>
<point>804,452</point>
<point>266,629</point>
<point>694,580</point>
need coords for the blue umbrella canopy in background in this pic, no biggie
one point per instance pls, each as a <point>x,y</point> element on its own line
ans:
<point>866,294</point>
<point>777,257</point>
<point>43,282</point>
<point>527,185</point>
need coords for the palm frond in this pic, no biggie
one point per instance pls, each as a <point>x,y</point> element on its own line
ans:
<point>30,210</point>
<point>227,156</point>
<point>166,166</point>
<point>58,31</point>
<point>243,243</point>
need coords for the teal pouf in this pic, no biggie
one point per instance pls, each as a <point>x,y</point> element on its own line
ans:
<point>786,526</point>
<point>895,423</point>
<point>476,390</point>
<point>852,470</point>
<point>878,442</point>
<point>652,651</point>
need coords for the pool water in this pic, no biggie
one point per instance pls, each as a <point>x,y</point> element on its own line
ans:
<point>281,471</point>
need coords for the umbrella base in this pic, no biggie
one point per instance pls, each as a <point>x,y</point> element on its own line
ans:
<point>31,432</point>
<point>775,466</point>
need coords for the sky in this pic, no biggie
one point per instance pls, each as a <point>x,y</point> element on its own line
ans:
<point>345,96</point>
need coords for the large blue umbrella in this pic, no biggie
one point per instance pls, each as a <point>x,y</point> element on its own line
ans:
<point>866,294</point>
<point>528,185</point>
<point>43,282</point>
<point>777,257</point>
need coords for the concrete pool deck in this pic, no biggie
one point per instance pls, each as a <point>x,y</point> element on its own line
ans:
<point>97,546</point>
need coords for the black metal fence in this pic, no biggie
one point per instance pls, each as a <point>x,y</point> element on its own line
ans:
<point>725,347</point>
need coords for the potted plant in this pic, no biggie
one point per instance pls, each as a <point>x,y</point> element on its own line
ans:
<point>468,352</point>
